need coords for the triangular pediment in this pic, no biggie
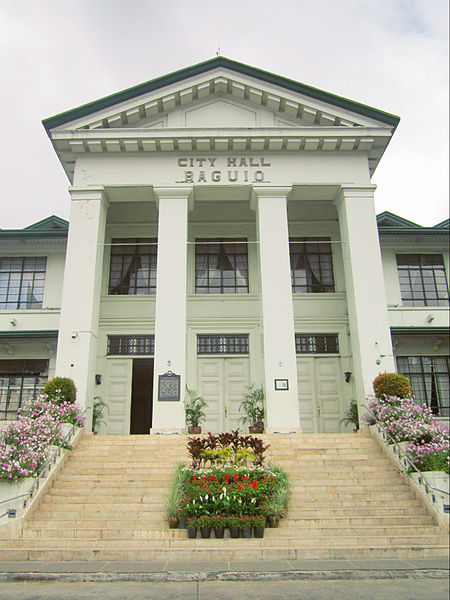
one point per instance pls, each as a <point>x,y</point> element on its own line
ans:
<point>220,93</point>
<point>388,219</point>
<point>52,223</point>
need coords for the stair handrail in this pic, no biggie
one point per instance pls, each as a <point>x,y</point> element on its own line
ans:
<point>407,462</point>
<point>41,473</point>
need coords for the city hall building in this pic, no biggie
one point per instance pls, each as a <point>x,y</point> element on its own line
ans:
<point>223,233</point>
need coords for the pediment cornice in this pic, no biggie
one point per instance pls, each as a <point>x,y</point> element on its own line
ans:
<point>72,144</point>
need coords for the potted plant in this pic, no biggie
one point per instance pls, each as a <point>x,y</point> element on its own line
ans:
<point>245,525</point>
<point>351,416</point>
<point>194,409</point>
<point>253,407</point>
<point>174,500</point>
<point>204,523</point>
<point>192,528</point>
<point>97,413</point>
<point>233,523</point>
<point>258,523</point>
<point>218,523</point>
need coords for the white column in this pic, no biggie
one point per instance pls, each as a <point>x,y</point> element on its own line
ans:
<point>78,326</point>
<point>366,296</point>
<point>170,311</point>
<point>277,308</point>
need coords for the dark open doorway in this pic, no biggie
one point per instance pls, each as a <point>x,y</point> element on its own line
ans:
<point>141,396</point>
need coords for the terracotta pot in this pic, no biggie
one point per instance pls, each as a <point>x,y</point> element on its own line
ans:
<point>173,522</point>
<point>273,521</point>
<point>194,429</point>
<point>258,428</point>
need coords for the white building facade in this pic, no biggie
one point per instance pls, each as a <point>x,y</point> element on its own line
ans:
<point>223,233</point>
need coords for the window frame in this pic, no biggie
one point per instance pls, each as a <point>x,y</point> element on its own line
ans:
<point>412,277</point>
<point>220,255</point>
<point>131,345</point>
<point>428,393</point>
<point>126,271</point>
<point>38,283</point>
<point>298,249</point>
<point>310,342</point>
<point>231,344</point>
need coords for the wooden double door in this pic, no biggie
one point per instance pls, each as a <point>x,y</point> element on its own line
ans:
<point>222,382</point>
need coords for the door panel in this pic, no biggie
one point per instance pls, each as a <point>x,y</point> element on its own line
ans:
<point>319,387</point>
<point>222,383</point>
<point>119,396</point>
<point>141,396</point>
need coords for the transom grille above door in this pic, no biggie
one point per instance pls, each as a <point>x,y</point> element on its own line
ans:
<point>222,344</point>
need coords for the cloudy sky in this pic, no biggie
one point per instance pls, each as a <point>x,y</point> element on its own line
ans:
<point>389,54</point>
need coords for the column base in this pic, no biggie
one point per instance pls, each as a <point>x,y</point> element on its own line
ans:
<point>283,430</point>
<point>169,431</point>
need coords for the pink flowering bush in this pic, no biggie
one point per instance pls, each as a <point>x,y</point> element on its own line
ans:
<point>405,421</point>
<point>25,444</point>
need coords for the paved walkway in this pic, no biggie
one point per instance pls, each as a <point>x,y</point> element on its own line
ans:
<point>281,570</point>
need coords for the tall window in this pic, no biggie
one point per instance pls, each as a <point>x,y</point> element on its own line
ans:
<point>311,265</point>
<point>422,280</point>
<point>133,266</point>
<point>22,282</point>
<point>430,381</point>
<point>221,266</point>
<point>20,380</point>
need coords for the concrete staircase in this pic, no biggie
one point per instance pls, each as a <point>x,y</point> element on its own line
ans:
<point>347,502</point>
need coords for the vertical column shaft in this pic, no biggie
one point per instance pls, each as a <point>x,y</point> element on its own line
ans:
<point>170,312</point>
<point>277,309</point>
<point>366,296</point>
<point>78,327</point>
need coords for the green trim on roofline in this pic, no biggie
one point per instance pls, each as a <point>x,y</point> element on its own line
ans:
<point>209,65</point>
<point>420,330</point>
<point>38,334</point>
<point>50,227</point>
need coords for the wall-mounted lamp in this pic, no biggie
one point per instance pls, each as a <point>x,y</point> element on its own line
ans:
<point>348,376</point>
<point>74,335</point>
<point>98,378</point>
<point>430,318</point>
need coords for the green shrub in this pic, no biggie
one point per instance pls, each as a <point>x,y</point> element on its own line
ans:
<point>61,389</point>
<point>392,384</point>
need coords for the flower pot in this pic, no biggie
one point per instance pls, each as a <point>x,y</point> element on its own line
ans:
<point>205,532</point>
<point>192,532</point>
<point>259,532</point>
<point>234,532</point>
<point>182,521</point>
<point>257,428</point>
<point>173,522</point>
<point>219,532</point>
<point>273,521</point>
<point>194,429</point>
<point>246,532</point>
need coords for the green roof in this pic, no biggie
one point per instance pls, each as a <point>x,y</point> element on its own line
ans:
<point>209,65</point>
<point>51,227</point>
<point>389,223</point>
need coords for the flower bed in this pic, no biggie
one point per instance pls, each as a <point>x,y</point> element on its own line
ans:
<point>405,421</point>
<point>26,443</point>
<point>227,485</point>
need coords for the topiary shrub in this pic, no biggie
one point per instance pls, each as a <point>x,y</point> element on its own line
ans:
<point>61,389</point>
<point>392,384</point>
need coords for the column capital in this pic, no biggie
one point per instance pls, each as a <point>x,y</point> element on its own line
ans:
<point>80,194</point>
<point>354,191</point>
<point>172,192</point>
<point>260,191</point>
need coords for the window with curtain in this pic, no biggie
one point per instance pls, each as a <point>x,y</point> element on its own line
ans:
<point>20,381</point>
<point>133,266</point>
<point>430,381</point>
<point>22,281</point>
<point>423,281</point>
<point>221,266</point>
<point>311,265</point>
